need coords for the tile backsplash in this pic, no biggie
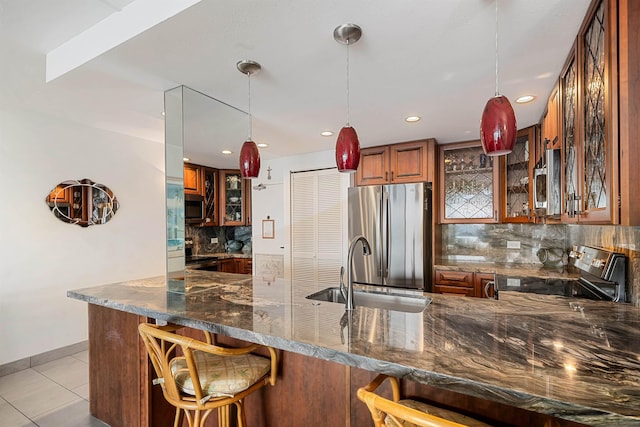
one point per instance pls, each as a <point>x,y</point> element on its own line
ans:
<point>202,238</point>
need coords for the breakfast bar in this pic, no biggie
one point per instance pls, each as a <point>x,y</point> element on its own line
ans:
<point>525,355</point>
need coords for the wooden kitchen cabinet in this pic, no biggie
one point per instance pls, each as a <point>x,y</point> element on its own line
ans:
<point>463,283</point>
<point>517,178</point>
<point>234,201</point>
<point>469,190</point>
<point>211,210</point>
<point>401,163</point>
<point>589,97</point>
<point>236,265</point>
<point>550,123</point>
<point>193,180</point>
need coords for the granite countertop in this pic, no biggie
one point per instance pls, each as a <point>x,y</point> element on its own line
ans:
<point>508,269</point>
<point>574,359</point>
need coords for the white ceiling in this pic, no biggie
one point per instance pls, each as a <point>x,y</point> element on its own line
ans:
<point>432,58</point>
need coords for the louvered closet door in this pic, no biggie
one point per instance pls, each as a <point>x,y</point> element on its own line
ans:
<point>318,207</point>
<point>317,211</point>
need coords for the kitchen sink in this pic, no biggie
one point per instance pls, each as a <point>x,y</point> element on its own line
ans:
<point>389,301</point>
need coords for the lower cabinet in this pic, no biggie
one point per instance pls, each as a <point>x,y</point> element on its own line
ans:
<point>464,283</point>
<point>236,265</point>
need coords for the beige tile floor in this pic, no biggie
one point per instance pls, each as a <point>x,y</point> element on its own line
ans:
<point>54,394</point>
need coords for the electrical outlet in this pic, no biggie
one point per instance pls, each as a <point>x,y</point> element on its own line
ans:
<point>513,283</point>
<point>513,244</point>
<point>214,240</point>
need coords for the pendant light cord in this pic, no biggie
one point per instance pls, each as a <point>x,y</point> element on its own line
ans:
<point>348,125</point>
<point>250,117</point>
<point>497,91</point>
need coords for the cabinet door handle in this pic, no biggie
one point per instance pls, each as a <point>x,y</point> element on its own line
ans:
<point>386,176</point>
<point>391,175</point>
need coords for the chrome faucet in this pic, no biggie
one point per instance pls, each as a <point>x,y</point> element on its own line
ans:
<point>366,250</point>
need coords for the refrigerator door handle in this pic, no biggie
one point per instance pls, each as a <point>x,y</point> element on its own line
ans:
<point>385,254</point>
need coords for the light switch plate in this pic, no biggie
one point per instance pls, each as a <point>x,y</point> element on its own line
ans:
<point>214,240</point>
<point>513,244</point>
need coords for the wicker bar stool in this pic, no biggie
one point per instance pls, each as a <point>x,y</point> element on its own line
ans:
<point>408,413</point>
<point>202,377</point>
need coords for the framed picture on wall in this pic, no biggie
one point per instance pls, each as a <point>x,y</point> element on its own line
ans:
<point>268,231</point>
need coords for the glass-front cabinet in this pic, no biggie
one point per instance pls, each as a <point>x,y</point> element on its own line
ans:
<point>232,198</point>
<point>588,137</point>
<point>517,202</point>
<point>468,184</point>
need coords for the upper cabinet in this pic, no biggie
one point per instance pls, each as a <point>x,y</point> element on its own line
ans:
<point>397,163</point>
<point>550,125</point>
<point>588,96</point>
<point>468,184</point>
<point>193,179</point>
<point>227,197</point>
<point>517,178</point>
<point>234,198</point>
<point>210,183</point>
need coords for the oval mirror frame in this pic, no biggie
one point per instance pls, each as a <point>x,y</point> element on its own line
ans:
<point>82,202</point>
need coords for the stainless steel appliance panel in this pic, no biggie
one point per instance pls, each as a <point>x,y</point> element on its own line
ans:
<point>396,220</point>
<point>403,261</point>
<point>365,217</point>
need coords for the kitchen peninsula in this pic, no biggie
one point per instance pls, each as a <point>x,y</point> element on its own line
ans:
<point>513,359</point>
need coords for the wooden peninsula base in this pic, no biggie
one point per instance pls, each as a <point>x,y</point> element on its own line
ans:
<point>308,389</point>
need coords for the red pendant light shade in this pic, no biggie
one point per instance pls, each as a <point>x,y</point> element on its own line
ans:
<point>347,150</point>
<point>249,160</point>
<point>249,154</point>
<point>498,127</point>
<point>347,145</point>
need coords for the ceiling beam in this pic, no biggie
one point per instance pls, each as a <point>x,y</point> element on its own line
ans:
<point>134,19</point>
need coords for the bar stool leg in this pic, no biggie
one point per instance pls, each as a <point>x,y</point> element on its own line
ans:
<point>223,416</point>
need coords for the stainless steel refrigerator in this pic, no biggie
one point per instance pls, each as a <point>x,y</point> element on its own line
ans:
<point>396,220</point>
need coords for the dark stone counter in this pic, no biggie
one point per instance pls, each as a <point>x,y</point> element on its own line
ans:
<point>577,360</point>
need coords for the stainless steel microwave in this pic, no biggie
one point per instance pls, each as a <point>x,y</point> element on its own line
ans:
<point>193,208</point>
<point>547,186</point>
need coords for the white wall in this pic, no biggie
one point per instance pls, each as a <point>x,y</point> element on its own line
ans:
<point>274,201</point>
<point>40,256</point>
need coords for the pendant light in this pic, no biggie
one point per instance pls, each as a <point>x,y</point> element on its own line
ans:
<point>498,125</point>
<point>249,154</point>
<point>347,145</point>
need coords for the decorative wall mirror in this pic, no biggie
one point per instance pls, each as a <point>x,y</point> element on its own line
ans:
<point>82,202</point>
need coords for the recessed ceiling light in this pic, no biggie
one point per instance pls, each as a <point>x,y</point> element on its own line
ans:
<point>227,152</point>
<point>412,119</point>
<point>185,159</point>
<point>262,145</point>
<point>326,133</point>
<point>524,99</point>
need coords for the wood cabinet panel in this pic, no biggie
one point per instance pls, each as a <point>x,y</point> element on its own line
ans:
<point>629,110</point>
<point>402,163</point>
<point>409,162</point>
<point>463,283</point>
<point>119,377</point>
<point>193,179</point>
<point>374,166</point>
